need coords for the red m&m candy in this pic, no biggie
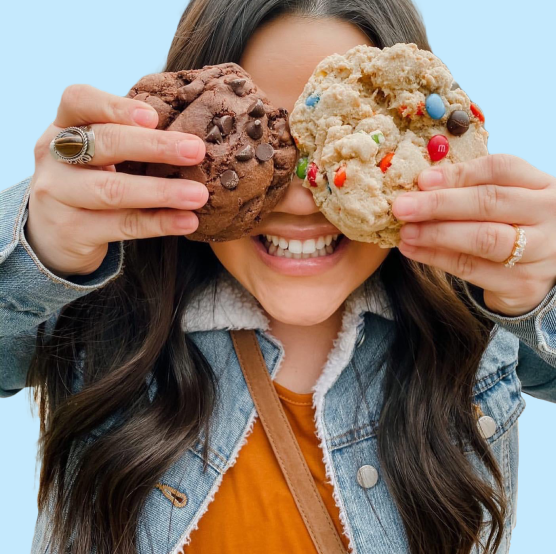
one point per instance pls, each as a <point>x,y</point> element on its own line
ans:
<point>438,147</point>
<point>312,174</point>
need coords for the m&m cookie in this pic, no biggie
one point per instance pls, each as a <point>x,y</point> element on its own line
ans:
<point>368,122</point>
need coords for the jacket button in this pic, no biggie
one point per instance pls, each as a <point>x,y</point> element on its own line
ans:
<point>367,476</point>
<point>487,425</point>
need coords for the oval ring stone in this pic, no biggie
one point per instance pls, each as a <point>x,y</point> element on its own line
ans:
<point>69,144</point>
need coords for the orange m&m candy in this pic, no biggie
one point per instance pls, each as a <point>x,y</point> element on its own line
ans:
<point>340,176</point>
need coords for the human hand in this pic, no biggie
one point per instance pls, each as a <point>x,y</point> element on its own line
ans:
<point>460,221</point>
<point>75,211</point>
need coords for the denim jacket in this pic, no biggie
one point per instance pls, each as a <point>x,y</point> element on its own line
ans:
<point>521,356</point>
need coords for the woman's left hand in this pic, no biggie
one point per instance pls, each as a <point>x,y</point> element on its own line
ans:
<point>460,221</point>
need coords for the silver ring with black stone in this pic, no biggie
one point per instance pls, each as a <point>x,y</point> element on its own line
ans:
<point>74,145</point>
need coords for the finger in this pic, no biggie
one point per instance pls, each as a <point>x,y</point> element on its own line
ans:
<point>105,190</point>
<point>486,274</point>
<point>491,241</point>
<point>499,169</point>
<point>84,104</point>
<point>117,143</point>
<point>480,203</point>
<point>116,225</point>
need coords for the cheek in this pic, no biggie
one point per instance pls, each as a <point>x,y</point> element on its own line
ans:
<point>306,300</point>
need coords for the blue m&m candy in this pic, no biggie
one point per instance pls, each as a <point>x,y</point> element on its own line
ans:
<point>435,106</point>
<point>312,100</point>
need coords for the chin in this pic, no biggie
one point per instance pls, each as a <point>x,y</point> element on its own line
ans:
<point>303,304</point>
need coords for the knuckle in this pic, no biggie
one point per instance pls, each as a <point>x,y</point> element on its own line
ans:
<point>456,174</point>
<point>500,164</point>
<point>436,200</point>
<point>464,265</point>
<point>41,188</point>
<point>162,146</point>
<point>487,239</point>
<point>109,139</point>
<point>41,150</point>
<point>162,192</point>
<point>73,94</point>
<point>111,191</point>
<point>130,225</point>
<point>487,199</point>
<point>114,108</point>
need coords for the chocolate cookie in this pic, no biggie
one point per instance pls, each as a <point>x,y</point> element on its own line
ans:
<point>250,155</point>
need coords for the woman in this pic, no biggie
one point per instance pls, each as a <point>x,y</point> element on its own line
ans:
<point>415,393</point>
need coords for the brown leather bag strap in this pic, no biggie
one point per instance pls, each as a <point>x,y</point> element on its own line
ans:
<point>286,448</point>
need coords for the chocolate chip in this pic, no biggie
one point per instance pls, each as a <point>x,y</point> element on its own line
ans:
<point>256,109</point>
<point>264,152</point>
<point>229,179</point>
<point>458,123</point>
<point>226,124</point>
<point>238,86</point>
<point>189,92</point>
<point>255,129</point>
<point>281,129</point>
<point>245,154</point>
<point>214,135</point>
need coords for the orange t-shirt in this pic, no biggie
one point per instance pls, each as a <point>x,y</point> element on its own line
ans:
<point>253,510</point>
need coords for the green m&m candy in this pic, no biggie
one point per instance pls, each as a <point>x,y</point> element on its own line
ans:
<point>378,137</point>
<point>301,168</point>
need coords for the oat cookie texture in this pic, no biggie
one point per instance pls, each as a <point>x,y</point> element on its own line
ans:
<point>368,122</point>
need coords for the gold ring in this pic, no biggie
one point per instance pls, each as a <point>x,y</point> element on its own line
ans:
<point>519,247</point>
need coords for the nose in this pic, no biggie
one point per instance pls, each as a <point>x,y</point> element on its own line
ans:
<point>297,200</point>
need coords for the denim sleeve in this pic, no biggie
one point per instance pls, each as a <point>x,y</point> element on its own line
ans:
<point>536,331</point>
<point>30,293</point>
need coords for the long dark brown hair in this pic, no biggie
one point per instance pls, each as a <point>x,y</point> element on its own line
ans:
<point>109,345</point>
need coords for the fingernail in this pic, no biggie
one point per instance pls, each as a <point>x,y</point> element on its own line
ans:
<point>187,222</point>
<point>197,193</point>
<point>189,148</point>
<point>143,117</point>
<point>405,205</point>
<point>432,178</point>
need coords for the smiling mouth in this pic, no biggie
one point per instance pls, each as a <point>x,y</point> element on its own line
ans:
<point>300,249</point>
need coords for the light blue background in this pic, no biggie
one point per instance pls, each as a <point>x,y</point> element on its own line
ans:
<point>501,53</point>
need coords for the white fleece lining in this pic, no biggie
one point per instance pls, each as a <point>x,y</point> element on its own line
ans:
<point>234,307</point>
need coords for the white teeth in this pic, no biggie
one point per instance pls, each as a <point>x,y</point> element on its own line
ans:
<point>299,249</point>
<point>295,246</point>
<point>308,246</point>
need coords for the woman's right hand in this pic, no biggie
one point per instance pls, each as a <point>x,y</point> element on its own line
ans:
<point>76,210</point>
